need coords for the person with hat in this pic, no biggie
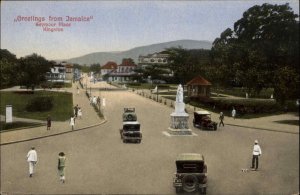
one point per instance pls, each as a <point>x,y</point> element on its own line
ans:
<point>256,152</point>
<point>32,160</point>
<point>61,166</point>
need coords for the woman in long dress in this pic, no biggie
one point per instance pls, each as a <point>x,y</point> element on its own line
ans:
<point>79,113</point>
<point>72,122</point>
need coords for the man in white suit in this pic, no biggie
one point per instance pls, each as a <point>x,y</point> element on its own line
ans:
<point>32,160</point>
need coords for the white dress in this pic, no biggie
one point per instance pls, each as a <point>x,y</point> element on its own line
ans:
<point>72,121</point>
<point>79,113</point>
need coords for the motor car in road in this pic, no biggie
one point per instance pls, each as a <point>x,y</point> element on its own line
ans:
<point>202,120</point>
<point>191,173</point>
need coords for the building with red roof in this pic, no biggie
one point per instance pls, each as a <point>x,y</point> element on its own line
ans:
<point>198,87</point>
<point>108,67</point>
<point>124,72</point>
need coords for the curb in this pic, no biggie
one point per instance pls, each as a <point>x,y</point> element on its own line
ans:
<point>264,129</point>
<point>46,136</point>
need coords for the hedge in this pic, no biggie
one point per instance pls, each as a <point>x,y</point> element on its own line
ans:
<point>39,104</point>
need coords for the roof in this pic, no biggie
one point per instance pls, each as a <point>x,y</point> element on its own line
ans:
<point>127,62</point>
<point>198,81</point>
<point>190,156</point>
<point>69,65</point>
<point>202,112</point>
<point>110,65</point>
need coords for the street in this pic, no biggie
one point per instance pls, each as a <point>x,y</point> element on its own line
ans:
<point>99,162</point>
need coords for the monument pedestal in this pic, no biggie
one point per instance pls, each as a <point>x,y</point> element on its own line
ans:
<point>179,121</point>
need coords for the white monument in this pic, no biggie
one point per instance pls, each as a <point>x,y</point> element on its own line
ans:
<point>179,118</point>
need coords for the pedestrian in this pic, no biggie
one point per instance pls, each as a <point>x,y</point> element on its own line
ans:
<point>91,100</point>
<point>256,152</point>
<point>98,100</point>
<point>76,110</point>
<point>79,113</point>
<point>32,160</point>
<point>221,119</point>
<point>72,122</point>
<point>233,113</point>
<point>61,166</point>
<point>94,100</point>
<point>48,122</point>
<point>77,90</point>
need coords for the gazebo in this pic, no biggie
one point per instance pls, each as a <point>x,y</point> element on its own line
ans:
<point>198,87</point>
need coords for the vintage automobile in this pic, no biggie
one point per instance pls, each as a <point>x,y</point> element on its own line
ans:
<point>202,120</point>
<point>191,173</point>
<point>131,132</point>
<point>129,114</point>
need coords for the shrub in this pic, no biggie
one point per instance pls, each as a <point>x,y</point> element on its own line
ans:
<point>39,104</point>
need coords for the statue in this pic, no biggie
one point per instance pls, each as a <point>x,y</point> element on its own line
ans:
<point>179,95</point>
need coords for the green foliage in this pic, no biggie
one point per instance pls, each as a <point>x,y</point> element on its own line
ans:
<point>62,104</point>
<point>255,52</point>
<point>18,125</point>
<point>187,64</point>
<point>96,68</point>
<point>32,70</point>
<point>8,69</point>
<point>40,104</point>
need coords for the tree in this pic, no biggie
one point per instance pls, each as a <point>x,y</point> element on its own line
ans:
<point>32,70</point>
<point>263,42</point>
<point>9,69</point>
<point>96,68</point>
<point>187,64</point>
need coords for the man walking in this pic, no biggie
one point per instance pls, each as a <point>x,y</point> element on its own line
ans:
<point>32,160</point>
<point>256,152</point>
<point>48,122</point>
<point>221,119</point>
<point>76,110</point>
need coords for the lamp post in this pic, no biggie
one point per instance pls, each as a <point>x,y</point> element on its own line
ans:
<point>157,93</point>
<point>85,84</point>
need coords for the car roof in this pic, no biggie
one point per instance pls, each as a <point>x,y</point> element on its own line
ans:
<point>131,123</point>
<point>202,112</point>
<point>190,156</point>
<point>129,109</point>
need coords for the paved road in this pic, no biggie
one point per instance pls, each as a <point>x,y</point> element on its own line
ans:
<point>98,162</point>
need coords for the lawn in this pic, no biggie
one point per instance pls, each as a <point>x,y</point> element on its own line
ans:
<point>18,124</point>
<point>62,104</point>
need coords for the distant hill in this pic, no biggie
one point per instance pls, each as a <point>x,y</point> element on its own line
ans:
<point>103,57</point>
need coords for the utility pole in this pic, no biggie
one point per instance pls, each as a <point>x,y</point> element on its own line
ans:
<point>157,94</point>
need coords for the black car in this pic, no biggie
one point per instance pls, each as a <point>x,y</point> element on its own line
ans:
<point>202,120</point>
<point>131,132</point>
<point>190,173</point>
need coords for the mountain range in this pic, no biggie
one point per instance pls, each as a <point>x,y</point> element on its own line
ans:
<point>104,57</point>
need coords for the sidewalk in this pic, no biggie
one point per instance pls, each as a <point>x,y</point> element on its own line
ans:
<point>268,123</point>
<point>89,119</point>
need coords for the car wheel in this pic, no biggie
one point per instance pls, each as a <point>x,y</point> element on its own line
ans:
<point>190,183</point>
<point>203,191</point>
<point>129,117</point>
<point>178,189</point>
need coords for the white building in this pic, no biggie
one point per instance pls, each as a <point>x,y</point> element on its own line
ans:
<point>124,72</point>
<point>57,73</point>
<point>153,59</point>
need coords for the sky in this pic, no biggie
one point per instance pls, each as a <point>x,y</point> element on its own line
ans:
<point>114,25</point>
